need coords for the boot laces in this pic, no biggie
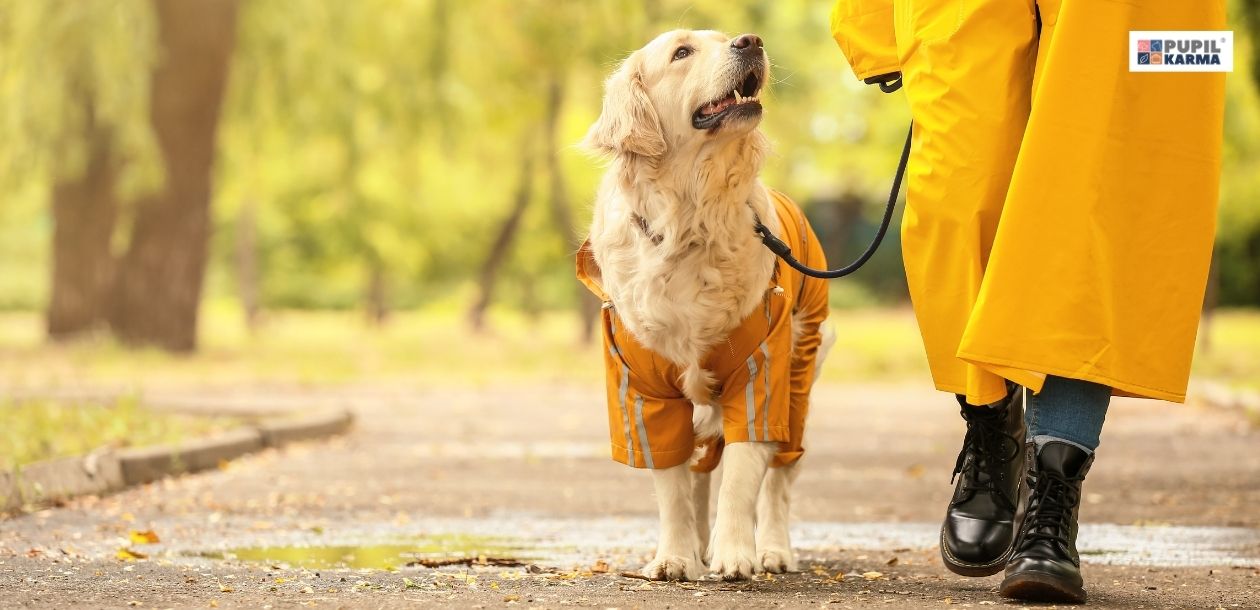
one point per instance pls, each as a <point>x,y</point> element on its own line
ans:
<point>993,450</point>
<point>1054,496</point>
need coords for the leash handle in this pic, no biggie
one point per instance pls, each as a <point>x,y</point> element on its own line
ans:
<point>783,251</point>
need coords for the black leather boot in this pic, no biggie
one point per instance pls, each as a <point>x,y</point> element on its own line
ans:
<point>1045,565</point>
<point>980,524</point>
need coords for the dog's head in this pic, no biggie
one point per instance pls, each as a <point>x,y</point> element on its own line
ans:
<point>683,88</point>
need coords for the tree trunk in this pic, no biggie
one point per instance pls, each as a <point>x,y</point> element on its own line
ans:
<point>377,302</point>
<point>159,283</point>
<point>503,242</point>
<point>247,264</point>
<point>84,209</point>
<point>561,211</point>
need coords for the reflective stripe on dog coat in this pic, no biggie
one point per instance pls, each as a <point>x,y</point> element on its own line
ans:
<point>762,385</point>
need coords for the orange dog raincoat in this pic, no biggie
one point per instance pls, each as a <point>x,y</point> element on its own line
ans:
<point>763,380</point>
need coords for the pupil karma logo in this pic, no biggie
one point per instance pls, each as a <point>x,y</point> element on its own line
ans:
<point>1181,51</point>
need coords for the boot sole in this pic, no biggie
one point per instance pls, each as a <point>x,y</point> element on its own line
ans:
<point>1040,587</point>
<point>973,570</point>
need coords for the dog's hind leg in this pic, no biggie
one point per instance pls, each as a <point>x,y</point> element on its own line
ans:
<point>733,547</point>
<point>678,554</point>
<point>774,546</point>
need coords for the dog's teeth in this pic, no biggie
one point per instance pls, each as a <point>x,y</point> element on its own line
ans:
<point>738,98</point>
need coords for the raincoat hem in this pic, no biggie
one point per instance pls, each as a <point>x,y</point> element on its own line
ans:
<point>961,390</point>
<point>739,434</point>
<point>1119,387</point>
<point>660,459</point>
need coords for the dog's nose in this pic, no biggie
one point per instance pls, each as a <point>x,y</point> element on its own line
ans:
<point>747,42</point>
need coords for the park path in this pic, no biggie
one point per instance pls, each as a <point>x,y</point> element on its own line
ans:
<point>1173,507</point>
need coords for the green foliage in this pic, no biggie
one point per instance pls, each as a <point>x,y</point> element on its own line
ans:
<point>389,135</point>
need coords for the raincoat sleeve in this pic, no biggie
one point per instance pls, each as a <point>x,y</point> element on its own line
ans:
<point>864,31</point>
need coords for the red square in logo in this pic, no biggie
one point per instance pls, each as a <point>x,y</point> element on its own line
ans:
<point>1157,58</point>
<point>1144,46</point>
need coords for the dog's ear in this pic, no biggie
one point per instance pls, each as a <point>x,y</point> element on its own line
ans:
<point>628,123</point>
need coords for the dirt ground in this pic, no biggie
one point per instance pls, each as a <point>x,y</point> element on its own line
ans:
<point>529,464</point>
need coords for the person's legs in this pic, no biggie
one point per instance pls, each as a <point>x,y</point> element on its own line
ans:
<point>1065,421</point>
<point>980,526</point>
<point>967,69</point>
<point>1070,410</point>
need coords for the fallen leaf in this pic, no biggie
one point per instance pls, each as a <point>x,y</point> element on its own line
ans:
<point>600,567</point>
<point>949,600</point>
<point>409,584</point>
<point>892,562</point>
<point>127,554</point>
<point>144,537</point>
<point>224,588</point>
<point>214,603</point>
<point>872,575</point>
<point>838,576</point>
<point>511,598</point>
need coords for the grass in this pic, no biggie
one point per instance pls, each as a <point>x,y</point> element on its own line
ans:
<point>429,348</point>
<point>436,347</point>
<point>41,430</point>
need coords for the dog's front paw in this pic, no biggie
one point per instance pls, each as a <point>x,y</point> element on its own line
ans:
<point>734,562</point>
<point>673,568</point>
<point>777,561</point>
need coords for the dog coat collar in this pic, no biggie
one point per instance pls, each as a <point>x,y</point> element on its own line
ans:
<point>657,238</point>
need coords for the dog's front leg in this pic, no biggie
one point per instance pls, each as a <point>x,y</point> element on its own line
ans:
<point>678,551</point>
<point>733,550</point>
<point>774,546</point>
<point>701,484</point>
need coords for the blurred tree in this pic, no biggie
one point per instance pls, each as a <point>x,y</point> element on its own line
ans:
<point>159,280</point>
<point>75,79</point>
<point>84,209</point>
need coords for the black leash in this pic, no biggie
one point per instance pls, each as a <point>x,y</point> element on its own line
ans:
<point>783,251</point>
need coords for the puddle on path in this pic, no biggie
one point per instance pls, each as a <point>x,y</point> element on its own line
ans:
<point>431,551</point>
<point>579,542</point>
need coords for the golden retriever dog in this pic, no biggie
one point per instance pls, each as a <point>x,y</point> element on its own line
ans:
<point>673,253</point>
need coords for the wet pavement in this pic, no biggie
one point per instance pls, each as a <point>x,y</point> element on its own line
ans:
<point>490,477</point>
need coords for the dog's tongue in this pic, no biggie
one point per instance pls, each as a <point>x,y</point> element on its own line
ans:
<point>718,106</point>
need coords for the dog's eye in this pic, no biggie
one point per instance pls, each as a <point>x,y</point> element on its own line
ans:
<point>682,52</point>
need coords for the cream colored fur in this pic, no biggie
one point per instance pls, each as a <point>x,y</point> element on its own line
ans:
<point>685,286</point>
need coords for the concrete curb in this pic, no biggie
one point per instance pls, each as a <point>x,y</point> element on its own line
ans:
<point>149,464</point>
<point>44,483</point>
<point>281,433</point>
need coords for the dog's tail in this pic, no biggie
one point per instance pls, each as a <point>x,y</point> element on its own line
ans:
<point>697,384</point>
<point>706,422</point>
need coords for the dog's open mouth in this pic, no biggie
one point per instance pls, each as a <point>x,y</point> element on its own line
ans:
<point>742,101</point>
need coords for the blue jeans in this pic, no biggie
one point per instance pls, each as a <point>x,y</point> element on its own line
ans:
<point>1069,409</point>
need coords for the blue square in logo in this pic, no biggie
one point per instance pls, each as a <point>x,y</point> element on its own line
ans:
<point>1157,46</point>
<point>1144,58</point>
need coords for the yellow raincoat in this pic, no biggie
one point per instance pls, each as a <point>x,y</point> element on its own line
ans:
<point>1060,209</point>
